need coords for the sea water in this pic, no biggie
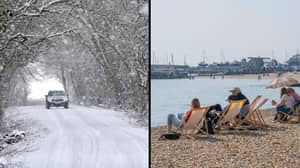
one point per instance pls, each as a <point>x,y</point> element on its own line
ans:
<point>175,95</point>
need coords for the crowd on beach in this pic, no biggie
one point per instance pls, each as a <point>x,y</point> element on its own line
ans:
<point>289,100</point>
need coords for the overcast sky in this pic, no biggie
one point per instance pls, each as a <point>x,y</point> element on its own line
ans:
<point>38,89</point>
<point>242,28</point>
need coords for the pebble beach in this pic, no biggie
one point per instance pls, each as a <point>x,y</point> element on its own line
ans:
<point>273,145</point>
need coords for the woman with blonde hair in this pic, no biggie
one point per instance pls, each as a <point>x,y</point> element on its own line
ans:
<point>181,118</point>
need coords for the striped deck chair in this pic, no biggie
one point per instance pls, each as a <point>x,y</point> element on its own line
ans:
<point>230,112</point>
<point>256,116</point>
<point>194,122</point>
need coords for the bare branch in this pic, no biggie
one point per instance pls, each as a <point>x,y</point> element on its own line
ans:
<point>25,6</point>
<point>43,8</point>
<point>40,38</point>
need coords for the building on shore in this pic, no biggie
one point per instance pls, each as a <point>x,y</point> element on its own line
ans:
<point>294,62</point>
<point>252,65</point>
<point>169,71</point>
<point>215,68</point>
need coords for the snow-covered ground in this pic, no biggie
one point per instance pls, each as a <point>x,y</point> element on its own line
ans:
<point>85,137</point>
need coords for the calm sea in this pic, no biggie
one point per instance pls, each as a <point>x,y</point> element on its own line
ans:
<point>174,96</point>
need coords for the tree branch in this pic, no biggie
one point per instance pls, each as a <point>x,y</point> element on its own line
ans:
<point>42,9</point>
<point>40,38</point>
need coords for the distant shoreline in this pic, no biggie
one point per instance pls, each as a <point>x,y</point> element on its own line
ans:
<point>242,76</point>
<point>245,76</point>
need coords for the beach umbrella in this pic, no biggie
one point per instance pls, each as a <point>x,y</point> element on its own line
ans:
<point>282,82</point>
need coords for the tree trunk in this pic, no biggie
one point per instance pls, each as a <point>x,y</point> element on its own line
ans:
<point>64,81</point>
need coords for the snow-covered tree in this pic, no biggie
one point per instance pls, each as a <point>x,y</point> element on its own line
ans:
<point>106,60</point>
<point>24,32</point>
<point>98,49</point>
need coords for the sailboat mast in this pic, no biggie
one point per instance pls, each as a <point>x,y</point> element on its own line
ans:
<point>153,57</point>
<point>172,58</point>
<point>203,53</point>
<point>222,56</point>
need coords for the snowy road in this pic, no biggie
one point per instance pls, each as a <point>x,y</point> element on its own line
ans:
<point>82,137</point>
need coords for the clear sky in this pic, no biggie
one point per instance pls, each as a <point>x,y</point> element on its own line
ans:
<point>242,28</point>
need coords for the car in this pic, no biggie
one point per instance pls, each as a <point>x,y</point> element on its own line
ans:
<point>56,98</point>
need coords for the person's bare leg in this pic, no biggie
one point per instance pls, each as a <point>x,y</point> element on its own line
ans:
<point>169,128</point>
<point>280,117</point>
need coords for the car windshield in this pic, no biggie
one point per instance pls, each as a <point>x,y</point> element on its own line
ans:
<point>56,93</point>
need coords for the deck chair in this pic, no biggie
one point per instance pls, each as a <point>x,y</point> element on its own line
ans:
<point>252,107</point>
<point>194,122</point>
<point>230,112</point>
<point>255,116</point>
<point>295,113</point>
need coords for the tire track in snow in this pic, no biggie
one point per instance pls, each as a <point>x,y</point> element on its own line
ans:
<point>124,156</point>
<point>119,152</point>
<point>88,138</point>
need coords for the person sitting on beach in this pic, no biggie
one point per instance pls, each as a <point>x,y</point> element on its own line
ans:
<point>212,116</point>
<point>285,105</point>
<point>179,119</point>
<point>291,92</point>
<point>236,94</point>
